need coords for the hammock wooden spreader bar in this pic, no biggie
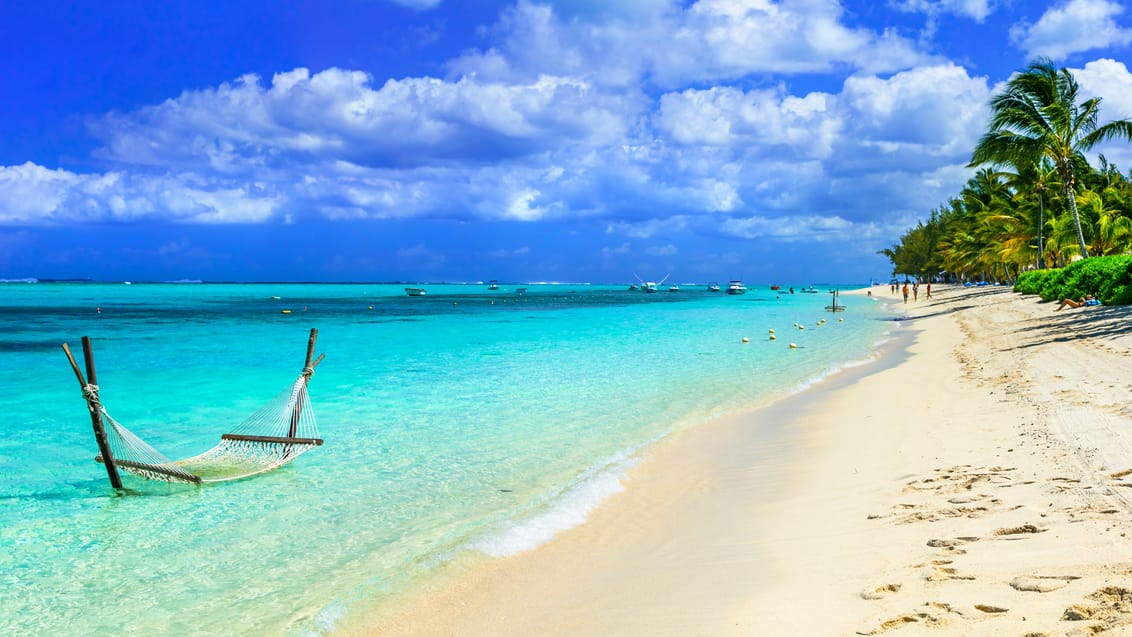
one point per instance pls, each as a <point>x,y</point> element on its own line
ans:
<point>271,437</point>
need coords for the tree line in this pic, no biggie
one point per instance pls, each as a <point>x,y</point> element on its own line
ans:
<point>1036,201</point>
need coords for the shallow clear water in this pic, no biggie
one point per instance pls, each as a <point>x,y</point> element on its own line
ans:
<point>467,419</point>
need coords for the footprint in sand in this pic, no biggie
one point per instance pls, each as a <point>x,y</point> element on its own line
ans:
<point>943,574</point>
<point>1113,609</point>
<point>1025,529</point>
<point>1041,583</point>
<point>929,617</point>
<point>880,592</point>
<point>959,541</point>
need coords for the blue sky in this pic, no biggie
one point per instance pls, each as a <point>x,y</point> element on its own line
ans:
<point>581,140</point>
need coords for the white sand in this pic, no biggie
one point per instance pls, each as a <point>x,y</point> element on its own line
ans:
<point>979,484</point>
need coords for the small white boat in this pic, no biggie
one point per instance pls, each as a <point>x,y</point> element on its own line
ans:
<point>415,291</point>
<point>674,288</point>
<point>736,287</point>
<point>651,286</point>
<point>713,287</point>
<point>809,290</point>
<point>493,285</point>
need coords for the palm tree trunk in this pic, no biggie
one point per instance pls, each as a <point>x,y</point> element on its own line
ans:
<point>1041,229</point>
<point>1077,221</point>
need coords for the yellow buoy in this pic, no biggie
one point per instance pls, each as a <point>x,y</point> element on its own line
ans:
<point>772,331</point>
<point>840,320</point>
<point>285,311</point>
<point>773,337</point>
<point>801,327</point>
<point>745,340</point>
<point>793,346</point>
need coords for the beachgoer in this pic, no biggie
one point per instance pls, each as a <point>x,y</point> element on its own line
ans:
<point>929,290</point>
<point>916,291</point>
<point>1086,300</point>
<point>905,292</point>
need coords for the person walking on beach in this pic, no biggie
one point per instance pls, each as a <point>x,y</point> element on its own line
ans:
<point>905,292</point>
<point>929,291</point>
<point>916,291</point>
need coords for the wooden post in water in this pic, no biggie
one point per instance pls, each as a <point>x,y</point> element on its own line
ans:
<point>298,408</point>
<point>95,408</point>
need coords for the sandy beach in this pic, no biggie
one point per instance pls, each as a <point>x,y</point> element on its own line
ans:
<point>976,480</point>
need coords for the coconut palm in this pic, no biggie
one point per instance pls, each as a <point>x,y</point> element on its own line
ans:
<point>1031,185</point>
<point>1111,230</point>
<point>1038,115</point>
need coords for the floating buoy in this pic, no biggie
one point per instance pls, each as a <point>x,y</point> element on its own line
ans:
<point>772,330</point>
<point>801,327</point>
<point>746,340</point>
<point>285,311</point>
<point>793,346</point>
<point>773,337</point>
<point>840,320</point>
<point>371,307</point>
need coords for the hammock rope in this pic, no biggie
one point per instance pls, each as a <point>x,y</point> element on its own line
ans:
<point>278,432</point>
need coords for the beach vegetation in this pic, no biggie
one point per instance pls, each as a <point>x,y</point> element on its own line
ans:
<point>1036,205</point>
<point>1039,116</point>
<point>1107,278</point>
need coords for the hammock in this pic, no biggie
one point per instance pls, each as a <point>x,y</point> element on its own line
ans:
<point>280,431</point>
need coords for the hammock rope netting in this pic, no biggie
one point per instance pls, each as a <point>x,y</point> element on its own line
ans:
<point>280,431</point>
<point>277,433</point>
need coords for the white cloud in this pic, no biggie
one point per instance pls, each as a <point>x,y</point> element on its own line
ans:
<point>1079,25</point>
<point>667,250</point>
<point>977,10</point>
<point>705,156</point>
<point>335,114</point>
<point>561,121</point>
<point>671,45</point>
<point>726,116</point>
<point>934,110</point>
<point>619,250</point>
<point>34,195</point>
<point>791,228</point>
<point>1110,80</point>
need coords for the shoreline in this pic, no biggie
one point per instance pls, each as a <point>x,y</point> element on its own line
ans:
<point>891,495</point>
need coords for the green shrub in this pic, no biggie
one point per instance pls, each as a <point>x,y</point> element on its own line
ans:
<point>1107,278</point>
<point>1032,282</point>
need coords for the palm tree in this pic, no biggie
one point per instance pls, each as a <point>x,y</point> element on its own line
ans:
<point>1036,116</point>
<point>1111,229</point>
<point>1029,183</point>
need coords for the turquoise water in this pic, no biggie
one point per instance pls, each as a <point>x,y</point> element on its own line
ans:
<point>465,420</point>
